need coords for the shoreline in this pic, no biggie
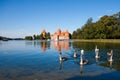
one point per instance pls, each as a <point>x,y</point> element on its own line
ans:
<point>98,40</point>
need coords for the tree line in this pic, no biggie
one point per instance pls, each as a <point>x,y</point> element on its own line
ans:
<point>38,37</point>
<point>107,27</point>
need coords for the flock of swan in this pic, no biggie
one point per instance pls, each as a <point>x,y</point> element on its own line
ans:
<point>85,61</point>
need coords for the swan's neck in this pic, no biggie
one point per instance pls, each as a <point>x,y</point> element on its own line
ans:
<point>60,57</point>
<point>111,58</point>
<point>96,55</point>
<point>96,47</point>
<point>96,50</point>
<point>111,52</point>
<point>81,60</point>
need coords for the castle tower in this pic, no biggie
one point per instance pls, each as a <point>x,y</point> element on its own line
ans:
<point>43,33</point>
<point>59,31</point>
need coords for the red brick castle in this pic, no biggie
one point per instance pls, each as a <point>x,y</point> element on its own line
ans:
<point>59,35</point>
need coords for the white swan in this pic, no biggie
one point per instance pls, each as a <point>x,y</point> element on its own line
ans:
<point>81,59</point>
<point>110,53</point>
<point>62,58</point>
<point>75,55</point>
<point>97,52</point>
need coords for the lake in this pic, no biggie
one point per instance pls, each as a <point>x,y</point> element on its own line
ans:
<point>39,60</point>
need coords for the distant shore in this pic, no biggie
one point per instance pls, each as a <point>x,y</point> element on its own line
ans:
<point>98,40</point>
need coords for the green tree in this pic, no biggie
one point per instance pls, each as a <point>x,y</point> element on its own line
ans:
<point>48,35</point>
<point>28,38</point>
<point>89,21</point>
<point>107,27</point>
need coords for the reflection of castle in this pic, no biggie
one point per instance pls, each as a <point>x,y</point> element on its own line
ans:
<point>60,45</point>
<point>59,35</point>
<point>43,46</point>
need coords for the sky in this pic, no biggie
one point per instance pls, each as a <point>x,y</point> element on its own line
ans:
<point>20,18</point>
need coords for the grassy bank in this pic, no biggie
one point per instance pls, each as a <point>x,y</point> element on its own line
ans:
<point>98,40</point>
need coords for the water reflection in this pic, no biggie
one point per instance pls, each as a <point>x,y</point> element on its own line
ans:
<point>74,47</point>
<point>81,69</point>
<point>110,64</point>
<point>97,60</point>
<point>60,45</point>
<point>91,45</point>
<point>44,45</point>
<point>32,63</point>
<point>60,67</point>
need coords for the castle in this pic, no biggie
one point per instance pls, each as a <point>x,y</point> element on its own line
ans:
<point>43,33</point>
<point>59,35</point>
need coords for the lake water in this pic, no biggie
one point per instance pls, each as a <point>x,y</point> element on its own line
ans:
<point>39,60</point>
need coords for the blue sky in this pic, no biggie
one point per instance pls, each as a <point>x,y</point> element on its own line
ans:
<point>20,18</point>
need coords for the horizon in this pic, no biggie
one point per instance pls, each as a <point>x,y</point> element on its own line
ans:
<point>20,18</point>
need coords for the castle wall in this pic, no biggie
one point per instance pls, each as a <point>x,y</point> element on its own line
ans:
<point>59,35</point>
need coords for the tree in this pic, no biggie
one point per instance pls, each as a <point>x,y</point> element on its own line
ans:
<point>28,38</point>
<point>48,35</point>
<point>117,15</point>
<point>89,21</point>
<point>107,27</point>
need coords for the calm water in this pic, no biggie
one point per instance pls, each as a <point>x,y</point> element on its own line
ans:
<point>39,60</point>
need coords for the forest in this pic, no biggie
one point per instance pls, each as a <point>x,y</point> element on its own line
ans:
<point>107,27</point>
<point>38,37</point>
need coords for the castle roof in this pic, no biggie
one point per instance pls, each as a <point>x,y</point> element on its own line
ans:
<point>43,31</point>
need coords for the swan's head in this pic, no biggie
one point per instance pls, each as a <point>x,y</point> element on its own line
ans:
<point>110,52</point>
<point>96,49</point>
<point>60,58</point>
<point>75,55</point>
<point>82,52</point>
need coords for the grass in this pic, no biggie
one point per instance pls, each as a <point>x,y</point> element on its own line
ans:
<point>98,40</point>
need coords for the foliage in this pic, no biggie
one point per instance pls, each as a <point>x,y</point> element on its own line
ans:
<point>28,38</point>
<point>38,37</point>
<point>107,27</point>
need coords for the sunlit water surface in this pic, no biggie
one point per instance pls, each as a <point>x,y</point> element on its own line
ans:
<point>39,60</point>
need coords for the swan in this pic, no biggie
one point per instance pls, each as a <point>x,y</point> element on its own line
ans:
<point>62,58</point>
<point>75,55</point>
<point>110,53</point>
<point>97,52</point>
<point>81,59</point>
